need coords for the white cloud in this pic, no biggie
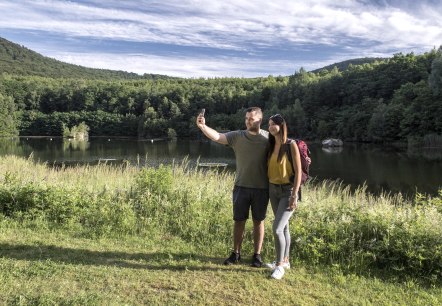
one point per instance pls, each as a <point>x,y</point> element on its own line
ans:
<point>228,24</point>
<point>183,66</point>
<point>234,25</point>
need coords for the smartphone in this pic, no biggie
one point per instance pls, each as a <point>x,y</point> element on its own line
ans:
<point>202,112</point>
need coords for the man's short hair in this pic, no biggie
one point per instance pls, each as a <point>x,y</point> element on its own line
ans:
<point>254,109</point>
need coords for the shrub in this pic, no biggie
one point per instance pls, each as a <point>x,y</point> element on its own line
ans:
<point>157,181</point>
<point>171,134</point>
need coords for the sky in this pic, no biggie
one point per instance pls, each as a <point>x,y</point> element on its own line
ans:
<point>228,38</point>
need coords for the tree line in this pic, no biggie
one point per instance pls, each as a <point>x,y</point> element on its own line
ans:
<point>394,99</point>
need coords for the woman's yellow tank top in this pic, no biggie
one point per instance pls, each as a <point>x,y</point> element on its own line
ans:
<point>279,172</point>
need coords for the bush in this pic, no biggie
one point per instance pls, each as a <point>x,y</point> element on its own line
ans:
<point>171,133</point>
<point>157,181</point>
<point>80,131</point>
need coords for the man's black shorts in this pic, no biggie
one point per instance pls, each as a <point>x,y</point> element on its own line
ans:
<point>245,198</point>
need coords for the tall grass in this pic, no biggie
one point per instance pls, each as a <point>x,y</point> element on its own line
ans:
<point>360,231</point>
<point>352,230</point>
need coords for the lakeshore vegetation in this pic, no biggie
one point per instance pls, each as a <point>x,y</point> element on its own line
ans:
<point>135,235</point>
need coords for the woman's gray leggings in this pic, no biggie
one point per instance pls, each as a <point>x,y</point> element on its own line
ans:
<point>279,198</point>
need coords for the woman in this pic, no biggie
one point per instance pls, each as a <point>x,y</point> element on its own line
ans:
<point>283,194</point>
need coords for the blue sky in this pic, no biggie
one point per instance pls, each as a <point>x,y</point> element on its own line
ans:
<point>228,38</point>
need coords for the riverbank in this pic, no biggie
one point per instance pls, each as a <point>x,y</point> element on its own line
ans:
<point>176,221</point>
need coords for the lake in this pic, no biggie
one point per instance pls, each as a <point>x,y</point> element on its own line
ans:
<point>381,168</point>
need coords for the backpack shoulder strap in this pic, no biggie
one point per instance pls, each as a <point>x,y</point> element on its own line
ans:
<point>290,157</point>
<point>289,152</point>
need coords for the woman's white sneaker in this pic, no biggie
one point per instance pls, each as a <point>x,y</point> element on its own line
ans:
<point>278,273</point>
<point>272,265</point>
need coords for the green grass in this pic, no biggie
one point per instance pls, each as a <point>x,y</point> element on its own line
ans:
<point>124,235</point>
<point>39,267</point>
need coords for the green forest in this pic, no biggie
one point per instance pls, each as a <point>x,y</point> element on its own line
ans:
<point>396,99</point>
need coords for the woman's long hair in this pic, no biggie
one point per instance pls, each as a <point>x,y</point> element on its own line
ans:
<point>278,120</point>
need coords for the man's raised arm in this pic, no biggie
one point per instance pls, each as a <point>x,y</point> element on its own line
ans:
<point>209,132</point>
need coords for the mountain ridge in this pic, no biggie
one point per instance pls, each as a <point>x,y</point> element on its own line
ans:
<point>342,66</point>
<point>19,60</point>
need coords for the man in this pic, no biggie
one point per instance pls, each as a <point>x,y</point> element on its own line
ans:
<point>251,182</point>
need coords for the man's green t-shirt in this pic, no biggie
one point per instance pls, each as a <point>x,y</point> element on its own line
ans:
<point>251,158</point>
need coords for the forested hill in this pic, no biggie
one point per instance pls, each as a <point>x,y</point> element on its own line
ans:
<point>396,99</point>
<point>345,64</point>
<point>19,60</point>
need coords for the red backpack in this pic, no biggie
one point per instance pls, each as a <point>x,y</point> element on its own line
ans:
<point>304,152</point>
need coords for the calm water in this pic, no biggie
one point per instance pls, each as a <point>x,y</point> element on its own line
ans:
<point>380,167</point>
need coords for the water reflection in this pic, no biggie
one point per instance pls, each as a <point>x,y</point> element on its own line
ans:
<point>332,150</point>
<point>381,167</point>
<point>75,145</point>
<point>426,153</point>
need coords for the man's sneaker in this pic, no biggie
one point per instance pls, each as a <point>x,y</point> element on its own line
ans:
<point>256,260</point>
<point>233,259</point>
<point>278,273</point>
<point>272,266</point>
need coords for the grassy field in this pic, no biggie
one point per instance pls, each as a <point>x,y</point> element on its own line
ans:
<point>50,268</point>
<point>129,236</point>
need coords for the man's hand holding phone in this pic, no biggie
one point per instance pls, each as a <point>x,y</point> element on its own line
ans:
<point>200,120</point>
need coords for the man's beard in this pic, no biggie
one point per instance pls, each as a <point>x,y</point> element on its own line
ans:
<point>254,128</point>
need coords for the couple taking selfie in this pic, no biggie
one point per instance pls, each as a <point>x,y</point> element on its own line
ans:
<point>267,166</point>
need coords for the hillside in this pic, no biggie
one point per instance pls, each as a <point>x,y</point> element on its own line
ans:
<point>344,65</point>
<point>19,60</point>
